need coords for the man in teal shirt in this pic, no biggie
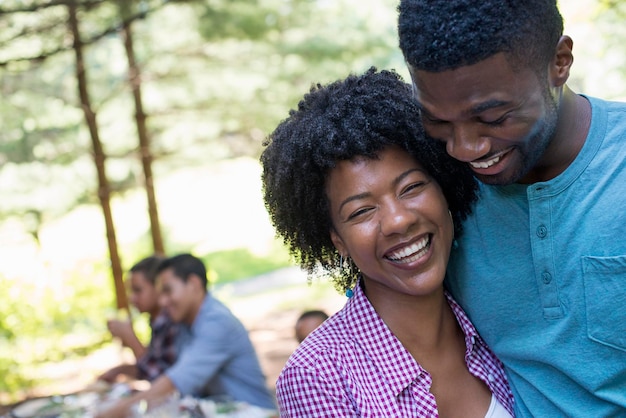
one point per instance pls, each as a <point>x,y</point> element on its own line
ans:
<point>541,266</point>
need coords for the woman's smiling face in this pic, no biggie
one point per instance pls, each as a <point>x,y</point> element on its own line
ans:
<point>392,219</point>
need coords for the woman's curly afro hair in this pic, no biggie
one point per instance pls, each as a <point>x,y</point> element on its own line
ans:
<point>358,116</point>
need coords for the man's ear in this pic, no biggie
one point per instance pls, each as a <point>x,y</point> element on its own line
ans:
<point>562,62</point>
<point>195,281</point>
<point>338,243</point>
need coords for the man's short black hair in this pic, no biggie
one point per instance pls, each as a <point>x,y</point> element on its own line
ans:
<point>439,35</point>
<point>183,266</point>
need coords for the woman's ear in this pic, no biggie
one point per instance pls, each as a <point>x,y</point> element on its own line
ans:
<point>338,243</point>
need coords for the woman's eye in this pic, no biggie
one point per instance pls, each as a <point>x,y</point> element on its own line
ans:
<point>412,186</point>
<point>358,213</point>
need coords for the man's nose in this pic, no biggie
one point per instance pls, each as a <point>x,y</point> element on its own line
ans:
<point>466,143</point>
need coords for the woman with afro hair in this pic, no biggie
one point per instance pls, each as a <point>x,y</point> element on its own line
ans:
<point>359,195</point>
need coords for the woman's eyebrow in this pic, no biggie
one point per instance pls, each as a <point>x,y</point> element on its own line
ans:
<point>396,181</point>
<point>353,198</point>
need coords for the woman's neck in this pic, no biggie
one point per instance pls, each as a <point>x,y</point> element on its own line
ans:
<point>423,324</point>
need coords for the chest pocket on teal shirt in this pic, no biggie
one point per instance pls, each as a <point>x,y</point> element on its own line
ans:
<point>605,299</point>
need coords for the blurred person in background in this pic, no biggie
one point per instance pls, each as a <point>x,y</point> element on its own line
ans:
<point>216,357</point>
<point>160,354</point>
<point>307,322</point>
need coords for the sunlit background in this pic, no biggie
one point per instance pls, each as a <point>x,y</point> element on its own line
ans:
<point>216,77</point>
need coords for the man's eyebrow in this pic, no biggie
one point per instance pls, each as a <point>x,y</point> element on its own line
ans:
<point>474,110</point>
<point>488,105</point>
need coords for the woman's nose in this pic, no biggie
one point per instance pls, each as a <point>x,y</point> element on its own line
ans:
<point>396,219</point>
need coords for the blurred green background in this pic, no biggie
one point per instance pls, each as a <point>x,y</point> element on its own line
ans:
<point>216,77</point>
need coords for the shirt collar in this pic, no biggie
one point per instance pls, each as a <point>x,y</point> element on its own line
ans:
<point>394,362</point>
<point>160,320</point>
<point>471,335</point>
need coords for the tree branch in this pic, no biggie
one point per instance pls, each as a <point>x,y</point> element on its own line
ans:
<point>86,42</point>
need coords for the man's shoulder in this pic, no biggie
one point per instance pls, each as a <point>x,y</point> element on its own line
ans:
<point>608,128</point>
<point>213,307</point>
<point>215,315</point>
<point>604,105</point>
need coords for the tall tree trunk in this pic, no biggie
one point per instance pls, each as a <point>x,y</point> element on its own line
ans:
<point>134,78</point>
<point>99,159</point>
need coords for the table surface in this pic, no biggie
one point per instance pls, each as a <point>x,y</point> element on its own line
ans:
<point>85,403</point>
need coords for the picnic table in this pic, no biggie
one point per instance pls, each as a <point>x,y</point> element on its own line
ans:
<point>86,403</point>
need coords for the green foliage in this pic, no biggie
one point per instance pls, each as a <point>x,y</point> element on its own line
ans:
<point>242,19</point>
<point>49,319</point>
<point>58,317</point>
<point>236,264</point>
<point>217,76</point>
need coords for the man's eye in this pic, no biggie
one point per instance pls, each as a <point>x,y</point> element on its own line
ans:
<point>496,122</point>
<point>425,116</point>
<point>432,120</point>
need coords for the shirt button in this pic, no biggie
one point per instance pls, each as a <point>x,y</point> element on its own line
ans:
<point>491,378</point>
<point>542,231</point>
<point>546,277</point>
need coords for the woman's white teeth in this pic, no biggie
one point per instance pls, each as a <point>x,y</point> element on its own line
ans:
<point>412,252</point>
<point>485,164</point>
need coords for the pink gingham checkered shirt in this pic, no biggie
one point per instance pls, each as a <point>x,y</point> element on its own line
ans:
<point>353,366</point>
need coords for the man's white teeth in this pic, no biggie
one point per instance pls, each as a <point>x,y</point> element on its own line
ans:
<point>412,252</point>
<point>485,164</point>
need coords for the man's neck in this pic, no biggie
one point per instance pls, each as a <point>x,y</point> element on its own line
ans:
<point>569,138</point>
<point>195,309</point>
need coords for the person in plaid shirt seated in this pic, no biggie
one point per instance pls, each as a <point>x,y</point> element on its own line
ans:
<point>160,353</point>
<point>358,193</point>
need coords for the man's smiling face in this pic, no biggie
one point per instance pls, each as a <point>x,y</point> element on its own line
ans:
<point>497,119</point>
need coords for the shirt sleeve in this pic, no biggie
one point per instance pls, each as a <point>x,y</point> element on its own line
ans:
<point>303,392</point>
